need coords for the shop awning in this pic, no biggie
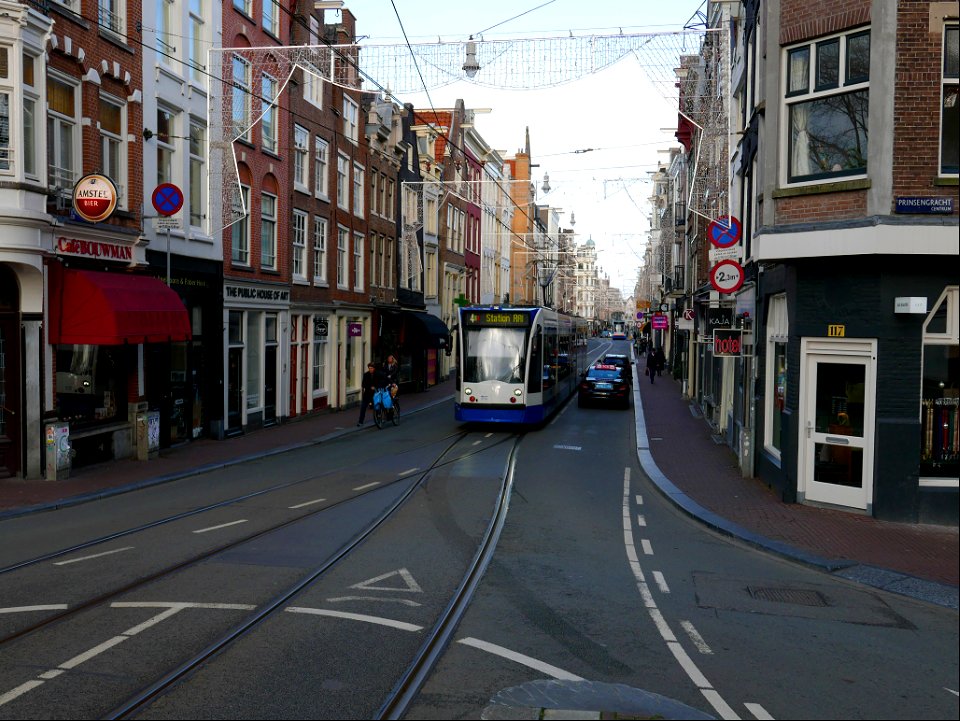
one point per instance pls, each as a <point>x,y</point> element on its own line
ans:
<point>95,308</point>
<point>436,333</point>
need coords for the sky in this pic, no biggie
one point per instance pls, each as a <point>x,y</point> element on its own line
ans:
<point>598,138</point>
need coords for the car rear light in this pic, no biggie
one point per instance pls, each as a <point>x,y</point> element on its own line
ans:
<point>513,399</point>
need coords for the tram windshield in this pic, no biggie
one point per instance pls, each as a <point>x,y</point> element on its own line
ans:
<point>494,354</point>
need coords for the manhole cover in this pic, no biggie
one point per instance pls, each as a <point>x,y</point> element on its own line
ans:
<point>798,596</point>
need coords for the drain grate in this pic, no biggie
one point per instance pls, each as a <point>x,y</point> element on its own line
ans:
<point>798,596</point>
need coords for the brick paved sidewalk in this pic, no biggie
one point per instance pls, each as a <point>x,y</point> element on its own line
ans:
<point>682,446</point>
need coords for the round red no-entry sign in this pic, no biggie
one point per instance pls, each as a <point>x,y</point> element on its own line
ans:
<point>167,199</point>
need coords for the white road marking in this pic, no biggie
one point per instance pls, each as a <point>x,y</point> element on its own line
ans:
<point>950,690</point>
<point>404,601</point>
<point>477,443</point>
<point>569,448</point>
<point>489,435</point>
<point>90,653</point>
<point>758,711</point>
<point>307,503</point>
<point>408,471</point>
<point>641,521</point>
<point>96,555</point>
<point>50,675</point>
<point>222,525</point>
<point>647,548</point>
<point>182,605</point>
<point>19,691</point>
<point>661,582</point>
<point>365,486</point>
<point>639,500</point>
<point>411,585</point>
<point>695,636</point>
<point>529,662</point>
<point>401,625</point>
<point>721,706</point>
<point>29,609</point>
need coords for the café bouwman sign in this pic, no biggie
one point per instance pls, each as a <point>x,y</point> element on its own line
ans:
<point>94,198</point>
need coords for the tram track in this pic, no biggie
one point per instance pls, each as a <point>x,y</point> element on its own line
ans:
<point>198,558</point>
<point>429,653</point>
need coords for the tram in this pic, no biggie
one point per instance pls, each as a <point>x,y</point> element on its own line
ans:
<point>516,365</point>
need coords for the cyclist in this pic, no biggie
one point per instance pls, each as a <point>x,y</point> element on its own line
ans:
<point>391,370</point>
<point>372,380</point>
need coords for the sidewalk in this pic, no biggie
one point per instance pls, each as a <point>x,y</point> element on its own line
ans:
<point>677,451</point>
<point>703,478</point>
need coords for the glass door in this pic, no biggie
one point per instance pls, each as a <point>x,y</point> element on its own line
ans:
<point>837,442</point>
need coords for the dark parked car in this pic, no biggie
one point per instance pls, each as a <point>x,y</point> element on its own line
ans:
<point>604,383</point>
<point>622,361</point>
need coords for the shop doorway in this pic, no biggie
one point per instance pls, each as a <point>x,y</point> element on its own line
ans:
<point>10,349</point>
<point>837,419</point>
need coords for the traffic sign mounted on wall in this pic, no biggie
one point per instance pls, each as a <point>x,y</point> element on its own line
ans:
<point>726,276</point>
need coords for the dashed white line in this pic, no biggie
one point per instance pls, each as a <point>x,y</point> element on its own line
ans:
<point>30,609</point>
<point>489,435</point>
<point>222,525</point>
<point>639,500</point>
<point>476,443</point>
<point>695,636</point>
<point>19,691</point>
<point>647,548</point>
<point>95,555</point>
<point>401,625</point>
<point>758,711</point>
<point>365,486</point>
<point>307,503</point>
<point>661,582</point>
<point>544,668</point>
<point>408,471</point>
<point>90,653</point>
<point>641,520</point>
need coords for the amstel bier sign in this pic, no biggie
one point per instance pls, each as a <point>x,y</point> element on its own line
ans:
<point>94,198</point>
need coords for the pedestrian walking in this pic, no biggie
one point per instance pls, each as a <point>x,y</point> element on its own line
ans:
<point>661,361</point>
<point>651,365</point>
<point>371,381</point>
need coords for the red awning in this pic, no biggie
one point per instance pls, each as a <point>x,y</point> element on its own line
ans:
<point>94,308</point>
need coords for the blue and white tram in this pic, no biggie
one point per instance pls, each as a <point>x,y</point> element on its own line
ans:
<point>517,365</point>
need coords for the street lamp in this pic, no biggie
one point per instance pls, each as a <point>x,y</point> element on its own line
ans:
<point>471,67</point>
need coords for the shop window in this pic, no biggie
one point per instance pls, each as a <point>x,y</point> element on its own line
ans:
<point>940,393</point>
<point>253,352</point>
<point>950,114</point>
<point>91,384</point>
<point>776,373</point>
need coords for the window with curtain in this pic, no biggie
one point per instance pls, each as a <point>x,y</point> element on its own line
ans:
<point>827,99</point>
<point>950,113</point>
<point>940,393</point>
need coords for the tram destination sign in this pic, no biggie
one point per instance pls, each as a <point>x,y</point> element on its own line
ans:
<point>501,318</point>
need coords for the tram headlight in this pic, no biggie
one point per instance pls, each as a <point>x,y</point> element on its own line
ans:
<point>517,392</point>
<point>467,392</point>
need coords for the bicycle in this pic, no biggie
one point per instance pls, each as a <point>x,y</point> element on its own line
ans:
<point>385,407</point>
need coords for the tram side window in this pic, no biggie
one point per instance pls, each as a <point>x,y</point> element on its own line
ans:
<point>563,357</point>
<point>550,351</point>
<point>535,380</point>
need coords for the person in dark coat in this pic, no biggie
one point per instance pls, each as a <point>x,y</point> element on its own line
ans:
<point>392,371</point>
<point>652,364</point>
<point>661,360</point>
<point>372,379</point>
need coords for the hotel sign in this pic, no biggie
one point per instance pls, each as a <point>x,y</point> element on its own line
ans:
<point>94,198</point>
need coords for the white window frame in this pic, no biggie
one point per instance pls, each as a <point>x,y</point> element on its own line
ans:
<point>358,190</point>
<point>321,168</point>
<point>63,175</point>
<point>949,84</point>
<point>778,333</point>
<point>343,181</point>
<point>319,250</point>
<point>358,262</point>
<point>240,251</point>
<point>268,230</point>
<point>312,83</point>
<point>951,336</point>
<point>269,129</point>
<point>242,96</point>
<point>196,43</point>
<point>196,192</point>
<point>796,99</point>
<point>112,143</point>
<point>343,241</point>
<point>301,159</point>
<point>112,16</point>
<point>271,17</point>
<point>30,119</point>
<point>319,348</point>
<point>298,235</point>
<point>244,6</point>
<point>167,146</point>
<point>164,35</point>
<point>351,123</point>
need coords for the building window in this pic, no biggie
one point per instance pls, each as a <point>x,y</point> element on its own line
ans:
<point>301,158</point>
<point>242,94</point>
<point>166,134</point>
<point>827,101</point>
<point>268,120</point>
<point>320,324</point>
<point>244,6</point>
<point>343,178</point>
<point>111,16</point>
<point>253,353</point>
<point>166,48</point>
<point>358,262</point>
<point>319,251</point>
<point>350,114</point>
<point>240,230</point>
<point>343,239</point>
<point>776,371</point>
<point>312,83</point>
<point>198,142</point>
<point>299,245</point>
<point>321,184</point>
<point>62,126</point>
<point>271,18</point>
<point>268,231</point>
<point>113,158</point>
<point>950,115</point>
<point>196,50</point>
<point>31,100</point>
<point>358,172</point>
<point>6,152</point>
<point>940,393</point>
